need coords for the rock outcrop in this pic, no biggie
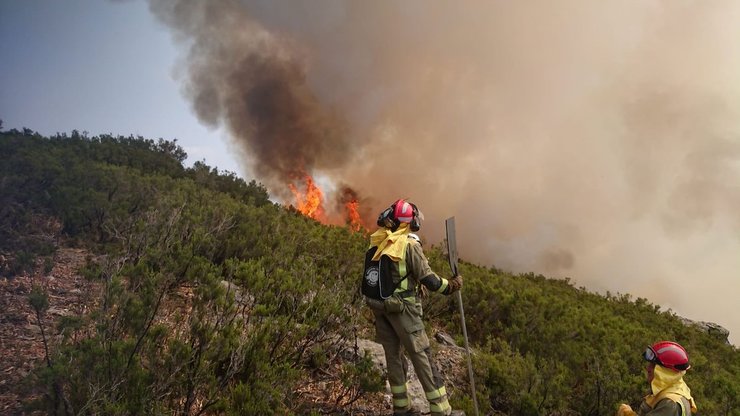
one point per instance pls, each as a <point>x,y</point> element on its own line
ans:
<point>715,330</point>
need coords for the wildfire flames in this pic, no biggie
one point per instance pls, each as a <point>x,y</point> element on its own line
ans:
<point>310,203</point>
<point>353,215</point>
<point>349,199</point>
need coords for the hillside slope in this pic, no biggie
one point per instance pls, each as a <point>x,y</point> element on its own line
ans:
<point>206,298</point>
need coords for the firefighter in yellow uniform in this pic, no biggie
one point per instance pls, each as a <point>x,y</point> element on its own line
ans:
<point>395,270</point>
<point>670,396</point>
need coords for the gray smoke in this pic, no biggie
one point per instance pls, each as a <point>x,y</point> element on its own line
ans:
<point>595,140</point>
<point>254,83</point>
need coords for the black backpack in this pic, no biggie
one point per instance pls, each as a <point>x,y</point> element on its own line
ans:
<point>377,281</point>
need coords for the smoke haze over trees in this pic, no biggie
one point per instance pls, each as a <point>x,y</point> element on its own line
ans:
<point>592,140</point>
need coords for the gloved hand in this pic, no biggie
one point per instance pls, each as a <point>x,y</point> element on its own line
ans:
<point>625,410</point>
<point>455,284</point>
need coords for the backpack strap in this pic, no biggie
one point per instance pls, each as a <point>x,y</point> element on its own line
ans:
<point>678,399</point>
<point>402,267</point>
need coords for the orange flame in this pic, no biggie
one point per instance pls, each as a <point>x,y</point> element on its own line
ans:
<point>310,202</point>
<point>353,214</point>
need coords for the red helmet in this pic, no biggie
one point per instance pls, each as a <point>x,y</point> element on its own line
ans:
<point>403,211</point>
<point>668,354</point>
<point>400,212</point>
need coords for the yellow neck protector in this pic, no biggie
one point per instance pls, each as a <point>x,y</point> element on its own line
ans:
<point>391,243</point>
<point>669,384</point>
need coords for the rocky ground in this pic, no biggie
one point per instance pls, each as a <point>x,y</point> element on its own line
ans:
<point>22,345</point>
<point>323,390</point>
<point>21,341</point>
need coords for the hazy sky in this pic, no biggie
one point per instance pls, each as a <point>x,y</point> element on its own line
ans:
<point>594,140</point>
<point>103,67</point>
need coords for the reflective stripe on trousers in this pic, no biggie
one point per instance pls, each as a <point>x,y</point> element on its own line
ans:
<point>438,403</point>
<point>400,397</point>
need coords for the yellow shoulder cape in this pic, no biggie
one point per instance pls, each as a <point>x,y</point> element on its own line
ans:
<point>391,243</point>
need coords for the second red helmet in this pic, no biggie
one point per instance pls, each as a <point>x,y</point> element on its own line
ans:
<point>669,354</point>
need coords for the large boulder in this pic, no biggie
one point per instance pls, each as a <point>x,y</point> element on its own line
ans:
<point>716,330</point>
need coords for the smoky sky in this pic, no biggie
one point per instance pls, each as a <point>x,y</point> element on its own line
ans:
<point>593,140</point>
<point>252,81</point>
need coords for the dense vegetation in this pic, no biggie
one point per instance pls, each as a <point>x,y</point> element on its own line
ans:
<point>217,301</point>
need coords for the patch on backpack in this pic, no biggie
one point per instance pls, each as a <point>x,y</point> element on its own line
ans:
<point>371,276</point>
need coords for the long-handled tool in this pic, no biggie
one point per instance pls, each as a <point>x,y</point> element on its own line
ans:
<point>452,252</point>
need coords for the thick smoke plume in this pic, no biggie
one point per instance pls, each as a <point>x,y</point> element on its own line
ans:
<point>599,141</point>
<point>254,82</point>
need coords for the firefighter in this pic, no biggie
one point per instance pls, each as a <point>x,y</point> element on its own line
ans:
<point>395,272</point>
<point>667,364</point>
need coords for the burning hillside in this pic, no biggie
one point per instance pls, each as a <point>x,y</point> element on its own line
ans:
<point>309,200</point>
<point>254,82</point>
